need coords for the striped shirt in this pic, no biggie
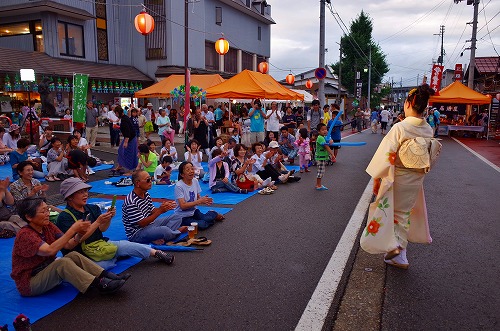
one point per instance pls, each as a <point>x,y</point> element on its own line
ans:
<point>134,210</point>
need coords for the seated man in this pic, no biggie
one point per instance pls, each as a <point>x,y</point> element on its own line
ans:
<point>286,142</point>
<point>76,193</point>
<point>9,220</point>
<point>142,220</point>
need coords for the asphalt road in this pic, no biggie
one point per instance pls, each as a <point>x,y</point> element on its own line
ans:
<point>268,256</point>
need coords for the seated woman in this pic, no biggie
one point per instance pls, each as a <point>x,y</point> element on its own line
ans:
<point>148,161</point>
<point>188,196</point>
<point>218,146</point>
<point>76,193</point>
<point>20,155</point>
<point>57,164</point>
<point>35,269</point>
<point>220,176</point>
<point>194,156</point>
<point>45,138</point>
<point>241,167</point>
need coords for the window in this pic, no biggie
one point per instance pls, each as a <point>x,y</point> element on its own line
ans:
<point>102,30</point>
<point>246,61</point>
<point>70,39</point>
<point>211,56</point>
<point>259,33</point>
<point>218,15</point>
<point>156,45</point>
<point>33,28</point>
<point>231,61</point>
<point>249,3</point>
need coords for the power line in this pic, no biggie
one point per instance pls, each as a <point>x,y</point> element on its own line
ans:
<point>488,29</point>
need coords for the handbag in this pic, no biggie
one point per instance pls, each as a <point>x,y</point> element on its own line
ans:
<point>99,250</point>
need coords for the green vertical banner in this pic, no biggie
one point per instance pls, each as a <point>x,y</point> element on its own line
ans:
<point>80,87</point>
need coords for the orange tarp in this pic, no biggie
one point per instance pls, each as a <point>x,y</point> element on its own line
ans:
<point>162,88</point>
<point>458,93</point>
<point>250,85</point>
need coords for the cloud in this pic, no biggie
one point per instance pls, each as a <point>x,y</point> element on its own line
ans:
<point>404,29</point>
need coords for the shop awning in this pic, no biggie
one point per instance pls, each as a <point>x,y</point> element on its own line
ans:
<point>13,60</point>
<point>458,93</point>
<point>250,85</point>
<point>162,88</point>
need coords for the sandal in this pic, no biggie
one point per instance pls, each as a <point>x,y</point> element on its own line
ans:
<point>201,241</point>
<point>264,192</point>
<point>219,218</point>
<point>50,178</point>
<point>274,187</point>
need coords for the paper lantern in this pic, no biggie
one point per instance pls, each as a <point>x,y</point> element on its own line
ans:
<point>290,79</point>
<point>144,23</point>
<point>309,84</point>
<point>222,46</point>
<point>263,67</point>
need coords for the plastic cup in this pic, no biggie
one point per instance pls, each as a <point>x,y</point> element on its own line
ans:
<point>195,224</point>
<point>191,233</point>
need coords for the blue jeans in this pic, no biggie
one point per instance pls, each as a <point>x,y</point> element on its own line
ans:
<point>220,186</point>
<point>204,220</point>
<point>162,228</point>
<point>290,152</point>
<point>126,248</point>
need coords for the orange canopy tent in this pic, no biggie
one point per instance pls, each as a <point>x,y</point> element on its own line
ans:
<point>458,93</point>
<point>250,85</point>
<point>162,88</point>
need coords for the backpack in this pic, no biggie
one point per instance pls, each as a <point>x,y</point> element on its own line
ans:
<point>419,153</point>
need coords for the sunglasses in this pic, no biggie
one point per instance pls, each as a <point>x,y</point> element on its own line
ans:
<point>148,180</point>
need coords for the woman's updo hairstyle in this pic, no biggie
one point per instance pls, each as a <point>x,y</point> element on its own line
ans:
<point>419,97</point>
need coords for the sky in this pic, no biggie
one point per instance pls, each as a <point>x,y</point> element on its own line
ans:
<point>405,31</point>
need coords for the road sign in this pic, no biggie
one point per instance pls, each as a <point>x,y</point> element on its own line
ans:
<point>320,73</point>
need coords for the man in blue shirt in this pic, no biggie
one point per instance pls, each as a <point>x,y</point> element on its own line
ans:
<point>374,120</point>
<point>257,117</point>
<point>336,134</point>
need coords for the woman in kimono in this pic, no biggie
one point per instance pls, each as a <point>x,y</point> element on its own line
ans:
<point>399,190</point>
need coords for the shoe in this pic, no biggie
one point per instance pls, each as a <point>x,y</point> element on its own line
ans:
<point>322,188</point>
<point>266,182</point>
<point>264,192</point>
<point>50,178</point>
<point>307,170</point>
<point>165,257</point>
<point>124,182</point>
<point>244,191</point>
<point>114,276</point>
<point>392,254</point>
<point>301,170</point>
<point>108,285</point>
<point>219,218</point>
<point>399,261</point>
<point>294,179</point>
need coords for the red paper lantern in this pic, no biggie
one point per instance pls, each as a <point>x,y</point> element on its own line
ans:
<point>290,79</point>
<point>263,67</point>
<point>309,84</point>
<point>222,46</point>
<point>144,23</point>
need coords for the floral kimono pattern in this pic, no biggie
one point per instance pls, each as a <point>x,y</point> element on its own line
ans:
<point>399,213</point>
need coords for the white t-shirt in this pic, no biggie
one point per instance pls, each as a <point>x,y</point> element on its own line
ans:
<point>188,193</point>
<point>273,122</point>
<point>158,172</point>
<point>172,152</point>
<point>384,115</point>
<point>195,159</point>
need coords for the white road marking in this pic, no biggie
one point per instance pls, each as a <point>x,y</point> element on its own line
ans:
<point>316,312</point>
<point>482,158</point>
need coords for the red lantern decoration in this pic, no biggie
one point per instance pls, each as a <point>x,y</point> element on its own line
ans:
<point>144,23</point>
<point>222,46</point>
<point>263,67</point>
<point>290,79</point>
<point>309,84</point>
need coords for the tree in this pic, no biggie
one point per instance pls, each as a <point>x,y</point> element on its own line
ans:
<point>355,56</point>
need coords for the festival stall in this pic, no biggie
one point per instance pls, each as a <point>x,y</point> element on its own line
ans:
<point>163,88</point>
<point>451,103</point>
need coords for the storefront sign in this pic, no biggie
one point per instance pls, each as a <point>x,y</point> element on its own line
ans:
<point>80,86</point>
<point>459,72</point>
<point>437,74</point>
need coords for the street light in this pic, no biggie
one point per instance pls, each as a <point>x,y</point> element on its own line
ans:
<point>28,75</point>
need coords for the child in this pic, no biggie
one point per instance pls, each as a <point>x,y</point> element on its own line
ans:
<point>336,134</point>
<point>135,121</point>
<point>77,163</point>
<point>194,156</point>
<point>304,150</point>
<point>312,144</point>
<point>168,150</point>
<point>163,171</point>
<point>321,155</point>
<point>220,175</point>
<point>235,135</point>
<point>218,146</point>
<point>147,160</point>
<point>142,122</point>
<point>67,114</point>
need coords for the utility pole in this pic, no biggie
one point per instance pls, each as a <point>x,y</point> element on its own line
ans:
<point>369,77</point>
<point>441,33</point>
<point>472,61</point>
<point>339,99</point>
<point>321,82</point>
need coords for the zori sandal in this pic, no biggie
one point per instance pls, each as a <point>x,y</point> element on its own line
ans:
<point>201,241</point>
